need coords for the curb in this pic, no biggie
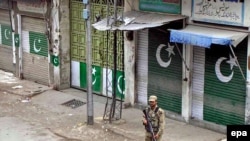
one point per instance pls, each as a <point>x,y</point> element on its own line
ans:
<point>35,93</point>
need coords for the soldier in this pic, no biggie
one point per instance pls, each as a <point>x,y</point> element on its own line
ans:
<point>157,118</point>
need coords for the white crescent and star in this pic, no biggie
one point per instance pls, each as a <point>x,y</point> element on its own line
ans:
<point>220,76</point>
<point>16,40</point>
<point>170,51</point>
<point>232,62</point>
<point>93,73</point>
<point>118,84</point>
<point>5,34</point>
<point>35,47</point>
<point>55,60</point>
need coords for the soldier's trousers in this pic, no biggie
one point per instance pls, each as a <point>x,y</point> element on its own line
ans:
<point>149,138</point>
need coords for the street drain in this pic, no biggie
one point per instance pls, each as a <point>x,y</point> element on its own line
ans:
<point>74,103</point>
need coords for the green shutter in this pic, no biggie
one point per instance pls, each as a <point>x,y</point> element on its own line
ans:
<point>224,102</point>
<point>164,82</point>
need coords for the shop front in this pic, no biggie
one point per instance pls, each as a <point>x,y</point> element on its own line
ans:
<point>219,73</point>
<point>7,60</point>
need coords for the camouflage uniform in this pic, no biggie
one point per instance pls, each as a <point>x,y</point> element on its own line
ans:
<point>157,119</point>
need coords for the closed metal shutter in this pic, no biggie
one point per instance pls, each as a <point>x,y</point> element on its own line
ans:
<point>164,71</point>
<point>35,50</point>
<point>5,18</point>
<point>142,66</point>
<point>225,88</point>
<point>198,82</point>
<point>6,50</point>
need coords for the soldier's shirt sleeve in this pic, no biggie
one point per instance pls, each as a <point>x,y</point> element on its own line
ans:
<point>161,121</point>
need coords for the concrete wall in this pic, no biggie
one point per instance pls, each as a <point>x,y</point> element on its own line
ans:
<point>64,23</point>
<point>247,110</point>
<point>129,57</point>
<point>57,13</point>
<point>186,83</point>
<point>60,43</point>
<point>247,13</point>
<point>186,8</point>
<point>131,5</point>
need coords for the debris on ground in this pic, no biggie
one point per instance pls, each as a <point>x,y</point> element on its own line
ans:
<point>17,87</point>
<point>26,100</point>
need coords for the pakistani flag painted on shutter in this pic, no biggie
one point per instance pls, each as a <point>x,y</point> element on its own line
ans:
<point>164,71</point>
<point>96,77</point>
<point>120,79</point>
<point>75,74</point>
<point>38,43</point>
<point>225,88</point>
<point>6,35</point>
<point>108,81</point>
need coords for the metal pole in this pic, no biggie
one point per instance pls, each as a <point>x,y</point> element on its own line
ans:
<point>178,49</point>
<point>90,109</point>
<point>115,11</point>
<point>115,60</point>
<point>237,62</point>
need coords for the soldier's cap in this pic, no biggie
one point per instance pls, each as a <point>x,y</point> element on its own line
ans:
<point>152,98</point>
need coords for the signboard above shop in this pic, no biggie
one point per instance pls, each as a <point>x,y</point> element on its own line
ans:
<point>230,12</point>
<point>36,6</point>
<point>163,6</point>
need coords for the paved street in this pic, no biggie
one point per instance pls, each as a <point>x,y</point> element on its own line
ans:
<point>33,112</point>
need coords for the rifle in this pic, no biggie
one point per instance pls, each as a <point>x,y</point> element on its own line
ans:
<point>149,127</point>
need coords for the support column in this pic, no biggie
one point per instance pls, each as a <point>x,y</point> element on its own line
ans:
<point>17,27</point>
<point>129,58</point>
<point>60,44</point>
<point>247,107</point>
<point>129,61</point>
<point>20,48</point>
<point>14,25</point>
<point>186,83</point>
<point>55,43</point>
<point>64,38</point>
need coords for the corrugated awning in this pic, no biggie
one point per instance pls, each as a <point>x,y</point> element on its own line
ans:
<point>136,20</point>
<point>204,36</point>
